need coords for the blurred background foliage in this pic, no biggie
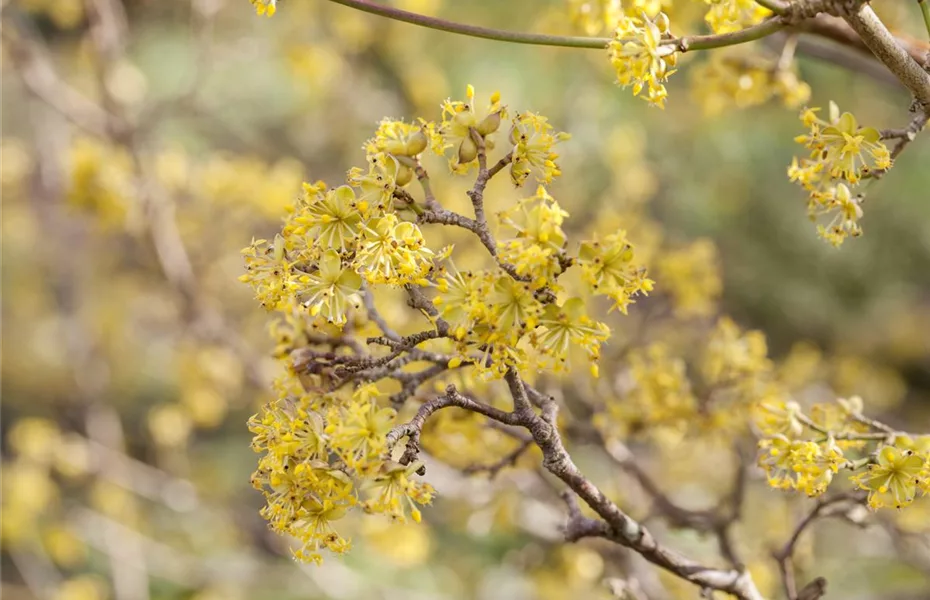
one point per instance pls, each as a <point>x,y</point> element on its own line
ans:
<point>126,391</point>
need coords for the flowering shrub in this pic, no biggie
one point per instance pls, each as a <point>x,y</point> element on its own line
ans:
<point>327,442</point>
<point>490,340</point>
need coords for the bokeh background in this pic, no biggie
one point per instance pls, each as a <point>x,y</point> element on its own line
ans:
<point>132,357</point>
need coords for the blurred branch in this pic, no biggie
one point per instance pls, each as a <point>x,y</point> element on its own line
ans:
<point>717,520</point>
<point>925,11</point>
<point>37,571</point>
<point>34,67</point>
<point>835,29</point>
<point>141,478</point>
<point>823,508</point>
<point>508,460</point>
<point>203,17</point>
<point>106,534</point>
<point>842,56</point>
<point>128,572</point>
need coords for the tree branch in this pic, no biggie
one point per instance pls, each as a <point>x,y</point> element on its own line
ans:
<point>697,42</point>
<point>887,49</point>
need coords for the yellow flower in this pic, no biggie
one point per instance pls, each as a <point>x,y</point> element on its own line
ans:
<point>894,479</point>
<point>660,399</point>
<point>842,153</point>
<point>358,430</point>
<point>532,140</point>
<point>725,16</point>
<point>692,278</point>
<point>609,267</point>
<point>332,289</point>
<point>802,465</point>
<point>395,492</point>
<point>394,252</point>
<point>264,7</point>
<point>569,325</point>
<point>539,239</point>
<point>732,355</point>
<point>399,138</point>
<point>735,78</point>
<point>777,417</point>
<point>269,273</point>
<point>846,210</point>
<point>332,219</point>
<point>639,58</point>
<point>459,119</point>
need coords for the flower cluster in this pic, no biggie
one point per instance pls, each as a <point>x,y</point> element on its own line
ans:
<point>726,16</point>
<point>609,268</point>
<point>800,465</point>
<point>530,140</point>
<point>265,7</point>
<point>660,396</point>
<point>733,355</point>
<point>325,439</point>
<point>841,154</point>
<point>894,473</point>
<point>101,181</point>
<point>691,276</point>
<point>597,16</point>
<point>737,79</point>
<point>322,456</point>
<point>639,57</point>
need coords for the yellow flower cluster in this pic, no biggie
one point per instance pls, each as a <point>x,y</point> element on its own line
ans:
<point>640,59</point>
<point>736,79</point>
<point>532,140</point>
<point>265,7</point>
<point>597,16</point>
<point>895,473</point>
<point>324,455</point>
<point>101,181</point>
<point>733,355</point>
<point>506,319</point>
<point>538,241</point>
<point>691,276</point>
<point>660,397</point>
<point>609,267</point>
<point>324,439</point>
<point>726,16</point>
<point>841,154</point>
<point>459,118</point>
<point>800,465</point>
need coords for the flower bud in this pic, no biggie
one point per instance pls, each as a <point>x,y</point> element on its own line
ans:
<point>416,144</point>
<point>404,175</point>
<point>662,22</point>
<point>278,247</point>
<point>489,124</point>
<point>468,151</point>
